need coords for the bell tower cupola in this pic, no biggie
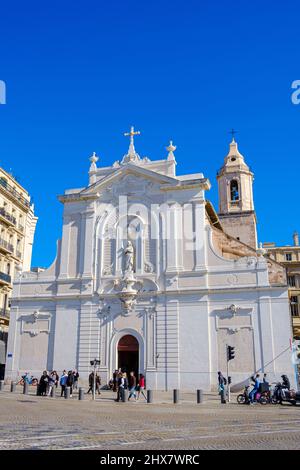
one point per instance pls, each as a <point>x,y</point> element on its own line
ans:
<point>236,206</point>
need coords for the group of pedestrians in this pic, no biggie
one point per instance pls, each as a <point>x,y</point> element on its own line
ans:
<point>122,382</point>
<point>50,380</point>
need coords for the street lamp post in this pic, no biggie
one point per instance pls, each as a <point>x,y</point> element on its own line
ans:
<point>94,363</point>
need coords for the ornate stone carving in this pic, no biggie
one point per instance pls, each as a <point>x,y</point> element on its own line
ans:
<point>33,332</point>
<point>232,279</point>
<point>35,315</point>
<point>107,270</point>
<point>104,310</point>
<point>233,309</point>
<point>233,330</point>
<point>150,312</point>
<point>148,267</point>
<point>171,281</point>
<point>36,323</point>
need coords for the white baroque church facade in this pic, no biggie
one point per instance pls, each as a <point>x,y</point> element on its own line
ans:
<point>147,278</point>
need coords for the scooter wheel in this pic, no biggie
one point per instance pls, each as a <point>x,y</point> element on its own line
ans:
<point>241,399</point>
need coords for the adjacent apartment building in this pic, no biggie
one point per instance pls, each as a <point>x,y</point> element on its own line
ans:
<point>17,227</point>
<point>289,256</point>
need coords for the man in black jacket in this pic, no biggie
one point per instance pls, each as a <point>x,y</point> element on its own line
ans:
<point>70,381</point>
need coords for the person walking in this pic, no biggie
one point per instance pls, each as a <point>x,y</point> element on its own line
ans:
<point>222,382</point>
<point>132,386</point>
<point>98,384</point>
<point>121,386</point>
<point>119,381</point>
<point>70,382</point>
<point>76,378</point>
<point>141,387</point>
<point>91,382</point>
<point>56,379</point>
<point>63,382</point>
<point>115,380</point>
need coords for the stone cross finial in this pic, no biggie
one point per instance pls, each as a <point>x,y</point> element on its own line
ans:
<point>93,159</point>
<point>131,134</point>
<point>171,149</point>
<point>233,132</point>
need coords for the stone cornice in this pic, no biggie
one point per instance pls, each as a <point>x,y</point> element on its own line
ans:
<point>202,183</point>
<point>78,197</point>
<point>169,292</point>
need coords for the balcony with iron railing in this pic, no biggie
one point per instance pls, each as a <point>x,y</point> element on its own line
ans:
<point>4,313</point>
<point>295,309</point>
<point>7,216</point>
<point>12,191</point>
<point>5,278</point>
<point>6,246</point>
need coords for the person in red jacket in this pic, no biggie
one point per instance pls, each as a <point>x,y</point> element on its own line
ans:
<point>141,387</point>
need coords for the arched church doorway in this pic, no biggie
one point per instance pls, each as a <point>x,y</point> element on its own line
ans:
<point>128,354</point>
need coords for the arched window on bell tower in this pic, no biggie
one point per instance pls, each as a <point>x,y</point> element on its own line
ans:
<point>234,191</point>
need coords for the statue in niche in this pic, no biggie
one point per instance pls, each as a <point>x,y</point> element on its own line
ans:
<point>129,257</point>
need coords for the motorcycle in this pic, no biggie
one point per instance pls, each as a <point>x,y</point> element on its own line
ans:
<point>243,398</point>
<point>284,395</point>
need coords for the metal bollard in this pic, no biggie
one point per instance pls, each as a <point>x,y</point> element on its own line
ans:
<point>199,396</point>
<point>25,388</point>
<point>124,396</point>
<point>81,393</point>
<point>149,396</point>
<point>53,392</point>
<point>1,385</point>
<point>13,386</point>
<point>67,392</point>
<point>175,396</point>
<point>38,390</point>
<point>223,397</point>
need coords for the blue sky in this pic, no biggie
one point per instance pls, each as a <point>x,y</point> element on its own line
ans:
<point>78,74</point>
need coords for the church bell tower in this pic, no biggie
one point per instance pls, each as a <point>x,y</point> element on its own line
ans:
<point>236,206</point>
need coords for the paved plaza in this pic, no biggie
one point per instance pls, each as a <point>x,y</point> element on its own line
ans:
<point>31,422</point>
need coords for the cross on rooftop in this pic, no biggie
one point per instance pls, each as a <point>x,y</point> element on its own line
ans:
<point>232,132</point>
<point>131,134</point>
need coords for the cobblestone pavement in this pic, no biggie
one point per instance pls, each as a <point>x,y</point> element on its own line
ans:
<point>31,422</point>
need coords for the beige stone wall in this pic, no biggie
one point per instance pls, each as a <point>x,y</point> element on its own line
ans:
<point>230,248</point>
<point>242,227</point>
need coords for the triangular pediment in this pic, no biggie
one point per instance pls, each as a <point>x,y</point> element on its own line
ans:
<point>141,174</point>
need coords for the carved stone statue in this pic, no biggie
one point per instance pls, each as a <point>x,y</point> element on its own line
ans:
<point>129,257</point>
